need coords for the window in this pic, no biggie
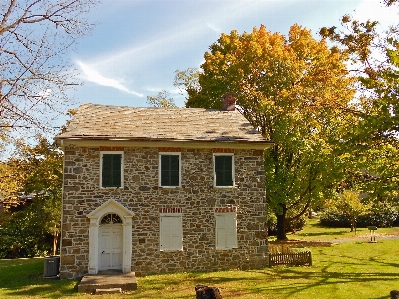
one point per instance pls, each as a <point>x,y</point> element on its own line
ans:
<point>171,232</point>
<point>224,170</point>
<point>226,230</point>
<point>111,169</point>
<point>169,169</point>
<point>111,219</point>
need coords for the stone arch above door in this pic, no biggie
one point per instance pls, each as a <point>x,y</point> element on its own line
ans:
<point>110,207</point>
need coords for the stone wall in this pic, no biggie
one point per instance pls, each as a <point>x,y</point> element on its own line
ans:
<point>197,199</point>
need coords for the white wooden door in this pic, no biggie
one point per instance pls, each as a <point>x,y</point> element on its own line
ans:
<point>110,246</point>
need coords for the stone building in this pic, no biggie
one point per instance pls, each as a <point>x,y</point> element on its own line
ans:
<point>155,190</point>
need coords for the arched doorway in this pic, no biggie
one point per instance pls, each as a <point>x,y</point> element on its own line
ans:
<point>110,238</point>
<point>110,242</point>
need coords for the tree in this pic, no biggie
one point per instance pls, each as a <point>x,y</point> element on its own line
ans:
<point>296,91</point>
<point>34,74</point>
<point>34,173</point>
<point>352,207</point>
<point>161,100</point>
<point>374,140</point>
<point>187,81</point>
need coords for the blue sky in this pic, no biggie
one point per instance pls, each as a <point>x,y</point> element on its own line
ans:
<point>137,45</point>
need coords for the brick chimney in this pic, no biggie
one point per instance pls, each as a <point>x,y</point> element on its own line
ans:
<point>229,102</point>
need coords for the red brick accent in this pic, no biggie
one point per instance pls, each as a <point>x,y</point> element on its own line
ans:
<point>112,148</point>
<point>169,149</point>
<point>170,210</point>
<point>223,150</point>
<point>225,209</point>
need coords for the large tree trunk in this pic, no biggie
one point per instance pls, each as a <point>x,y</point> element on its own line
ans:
<point>281,219</point>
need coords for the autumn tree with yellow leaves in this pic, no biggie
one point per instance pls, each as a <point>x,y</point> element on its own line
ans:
<point>297,92</point>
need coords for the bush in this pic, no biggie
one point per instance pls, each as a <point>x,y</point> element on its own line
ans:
<point>21,236</point>
<point>333,218</point>
<point>381,214</point>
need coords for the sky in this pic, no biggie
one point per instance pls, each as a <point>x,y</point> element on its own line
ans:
<point>137,45</point>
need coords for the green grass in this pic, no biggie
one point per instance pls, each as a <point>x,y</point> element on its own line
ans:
<point>353,269</point>
<point>313,231</point>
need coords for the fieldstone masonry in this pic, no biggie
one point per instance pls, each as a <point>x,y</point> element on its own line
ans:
<point>197,200</point>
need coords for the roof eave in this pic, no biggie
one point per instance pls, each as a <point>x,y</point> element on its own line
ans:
<point>242,144</point>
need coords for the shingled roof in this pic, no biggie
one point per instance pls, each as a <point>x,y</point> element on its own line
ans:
<point>105,122</point>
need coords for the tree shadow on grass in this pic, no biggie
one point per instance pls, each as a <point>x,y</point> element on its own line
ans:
<point>320,234</point>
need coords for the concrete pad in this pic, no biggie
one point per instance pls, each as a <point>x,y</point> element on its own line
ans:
<point>108,280</point>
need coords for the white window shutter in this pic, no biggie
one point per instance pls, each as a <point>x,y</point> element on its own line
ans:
<point>171,235</point>
<point>231,231</point>
<point>220,231</point>
<point>226,231</point>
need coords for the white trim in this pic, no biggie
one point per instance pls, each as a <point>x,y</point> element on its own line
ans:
<point>111,206</point>
<point>122,166</point>
<point>160,170</point>
<point>232,170</point>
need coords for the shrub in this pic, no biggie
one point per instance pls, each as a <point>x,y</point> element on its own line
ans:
<point>21,236</point>
<point>381,214</point>
<point>333,218</point>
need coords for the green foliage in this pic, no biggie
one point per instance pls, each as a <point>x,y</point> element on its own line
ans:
<point>373,140</point>
<point>380,214</point>
<point>32,179</point>
<point>24,234</point>
<point>187,81</point>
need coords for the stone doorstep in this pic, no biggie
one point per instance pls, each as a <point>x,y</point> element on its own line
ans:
<point>108,291</point>
<point>92,283</point>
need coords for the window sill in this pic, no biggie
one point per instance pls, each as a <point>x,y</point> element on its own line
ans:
<point>223,249</point>
<point>121,187</point>
<point>170,250</point>
<point>169,187</point>
<point>226,187</point>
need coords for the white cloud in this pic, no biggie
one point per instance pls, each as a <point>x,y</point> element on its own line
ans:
<point>173,39</point>
<point>93,75</point>
<point>214,27</point>
<point>374,10</point>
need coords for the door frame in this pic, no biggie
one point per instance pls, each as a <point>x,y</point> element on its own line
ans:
<point>110,207</point>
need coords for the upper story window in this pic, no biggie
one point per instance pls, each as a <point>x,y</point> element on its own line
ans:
<point>111,169</point>
<point>224,170</point>
<point>169,169</point>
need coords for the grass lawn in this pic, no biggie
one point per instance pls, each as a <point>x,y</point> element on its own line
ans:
<point>353,269</point>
